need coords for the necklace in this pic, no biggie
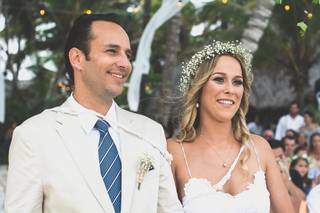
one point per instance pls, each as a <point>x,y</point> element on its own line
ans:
<point>224,161</point>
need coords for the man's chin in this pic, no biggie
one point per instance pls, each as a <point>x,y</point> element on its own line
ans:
<point>115,93</point>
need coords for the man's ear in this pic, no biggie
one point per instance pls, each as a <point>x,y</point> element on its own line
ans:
<point>76,58</point>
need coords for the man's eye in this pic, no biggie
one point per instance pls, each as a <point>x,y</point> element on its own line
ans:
<point>129,56</point>
<point>111,51</point>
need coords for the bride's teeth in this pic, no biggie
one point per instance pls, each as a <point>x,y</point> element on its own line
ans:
<point>225,102</point>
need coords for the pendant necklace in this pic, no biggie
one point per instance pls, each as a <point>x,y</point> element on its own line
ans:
<point>224,162</point>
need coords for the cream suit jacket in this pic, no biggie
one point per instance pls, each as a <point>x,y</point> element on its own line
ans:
<point>53,168</point>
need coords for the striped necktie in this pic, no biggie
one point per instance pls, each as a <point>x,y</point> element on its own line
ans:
<point>110,164</point>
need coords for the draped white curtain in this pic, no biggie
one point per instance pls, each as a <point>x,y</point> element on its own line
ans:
<point>141,65</point>
<point>2,89</point>
<point>2,98</point>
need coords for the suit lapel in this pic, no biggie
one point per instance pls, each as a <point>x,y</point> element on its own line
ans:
<point>130,156</point>
<point>84,154</point>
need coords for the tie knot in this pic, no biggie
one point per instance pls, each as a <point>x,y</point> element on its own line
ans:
<point>102,126</point>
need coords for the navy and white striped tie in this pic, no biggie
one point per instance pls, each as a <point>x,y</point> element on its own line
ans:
<point>110,164</point>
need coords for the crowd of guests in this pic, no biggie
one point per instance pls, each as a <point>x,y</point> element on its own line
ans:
<point>296,146</point>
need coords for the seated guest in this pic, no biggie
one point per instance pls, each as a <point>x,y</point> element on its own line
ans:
<point>299,167</point>
<point>297,195</point>
<point>314,153</point>
<point>292,121</point>
<point>290,144</point>
<point>310,126</point>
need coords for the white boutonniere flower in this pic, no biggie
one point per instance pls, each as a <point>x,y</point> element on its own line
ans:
<point>145,165</point>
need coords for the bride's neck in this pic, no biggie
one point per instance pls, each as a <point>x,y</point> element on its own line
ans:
<point>216,132</point>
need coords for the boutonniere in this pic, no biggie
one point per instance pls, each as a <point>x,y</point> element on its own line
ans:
<point>145,165</point>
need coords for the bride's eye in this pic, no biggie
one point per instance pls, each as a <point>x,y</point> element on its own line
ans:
<point>219,80</point>
<point>238,82</point>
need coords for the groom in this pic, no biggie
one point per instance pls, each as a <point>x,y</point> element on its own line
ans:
<point>89,155</point>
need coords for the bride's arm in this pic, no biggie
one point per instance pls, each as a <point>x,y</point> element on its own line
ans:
<point>279,197</point>
<point>173,147</point>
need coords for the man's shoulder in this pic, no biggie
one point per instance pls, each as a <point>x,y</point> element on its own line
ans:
<point>283,118</point>
<point>40,120</point>
<point>300,117</point>
<point>139,118</point>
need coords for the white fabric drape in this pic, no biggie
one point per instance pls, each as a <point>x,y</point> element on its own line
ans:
<point>141,65</point>
<point>2,98</point>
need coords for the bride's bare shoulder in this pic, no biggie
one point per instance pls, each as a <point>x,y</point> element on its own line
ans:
<point>173,145</point>
<point>262,146</point>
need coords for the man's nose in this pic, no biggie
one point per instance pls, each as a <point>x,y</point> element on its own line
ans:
<point>124,62</point>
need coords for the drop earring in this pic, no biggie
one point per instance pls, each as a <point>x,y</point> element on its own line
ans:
<point>197,105</point>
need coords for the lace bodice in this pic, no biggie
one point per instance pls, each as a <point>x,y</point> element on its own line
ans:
<point>201,196</point>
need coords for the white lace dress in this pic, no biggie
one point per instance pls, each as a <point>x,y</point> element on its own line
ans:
<point>203,197</point>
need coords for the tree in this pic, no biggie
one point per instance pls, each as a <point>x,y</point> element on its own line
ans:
<point>283,49</point>
<point>169,71</point>
<point>257,24</point>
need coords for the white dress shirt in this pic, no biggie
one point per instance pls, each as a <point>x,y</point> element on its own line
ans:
<point>287,122</point>
<point>88,119</point>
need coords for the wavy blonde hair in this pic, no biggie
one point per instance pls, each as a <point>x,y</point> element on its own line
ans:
<point>190,120</point>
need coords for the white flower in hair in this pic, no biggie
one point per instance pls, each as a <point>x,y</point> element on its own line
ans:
<point>210,51</point>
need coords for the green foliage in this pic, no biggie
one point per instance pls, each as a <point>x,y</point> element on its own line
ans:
<point>222,22</point>
<point>303,27</point>
<point>283,49</point>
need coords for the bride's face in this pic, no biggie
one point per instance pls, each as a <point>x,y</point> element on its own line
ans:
<point>222,94</point>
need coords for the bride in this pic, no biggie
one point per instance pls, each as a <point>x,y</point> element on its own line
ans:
<point>217,164</point>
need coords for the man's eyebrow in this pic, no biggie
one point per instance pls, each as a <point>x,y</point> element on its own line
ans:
<point>128,51</point>
<point>112,45</point>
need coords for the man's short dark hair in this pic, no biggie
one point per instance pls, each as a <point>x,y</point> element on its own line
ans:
<point>295,102</point>
<point>79,37</point>
<point>287,137</point>
<point>276,144</point>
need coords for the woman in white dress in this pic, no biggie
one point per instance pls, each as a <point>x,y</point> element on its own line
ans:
<point>217,164</point>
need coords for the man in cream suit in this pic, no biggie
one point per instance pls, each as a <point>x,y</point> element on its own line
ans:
<point>89,155</point>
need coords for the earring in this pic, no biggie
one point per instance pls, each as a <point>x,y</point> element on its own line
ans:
<point>197,105</point>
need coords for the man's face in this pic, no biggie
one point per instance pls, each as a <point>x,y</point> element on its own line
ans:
<point>278,153</point>
<point>294,109</point>
<point>107,66</point>
<point>289,145</point>
<point>268,134</point>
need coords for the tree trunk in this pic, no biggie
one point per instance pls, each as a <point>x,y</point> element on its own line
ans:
<point>257,24</point>
<point>146,12</point>
<point>169,70</point>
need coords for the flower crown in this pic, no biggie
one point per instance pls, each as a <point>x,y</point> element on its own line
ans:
<point>210,51</point>
<point>303,156</point>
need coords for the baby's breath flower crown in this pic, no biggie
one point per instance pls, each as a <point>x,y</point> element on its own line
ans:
<point>210,51</point>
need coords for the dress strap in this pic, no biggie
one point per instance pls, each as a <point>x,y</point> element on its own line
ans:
<point>185,159</point>
<point>256,153</point>
<point>220,184</point>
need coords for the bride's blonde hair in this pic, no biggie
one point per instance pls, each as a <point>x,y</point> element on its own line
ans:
<point>190,120</point>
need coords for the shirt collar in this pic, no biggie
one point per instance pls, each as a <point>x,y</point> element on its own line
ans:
<point>88,117</point>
